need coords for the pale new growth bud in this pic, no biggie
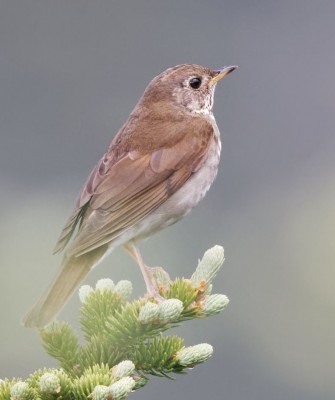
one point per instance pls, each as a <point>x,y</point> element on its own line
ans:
<point>120,389</point>
<point>19,391</point>
<point>100,392</point>
<point>54,326</point>
<point>122,369</point>
<point>209,289</point>
<point>189,356</point>
<point>84,292</point>
<point>214,304</point>
<point>125,289</point>
<point>49,383</point>
<point>170,309</point>
<point>105,284</point>
<point>149,313</point>
<point>209,266</point>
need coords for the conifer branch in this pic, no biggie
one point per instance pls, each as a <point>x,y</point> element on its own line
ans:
<point>123,342</point>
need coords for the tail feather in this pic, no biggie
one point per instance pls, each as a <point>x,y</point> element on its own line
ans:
<point>72,271</point>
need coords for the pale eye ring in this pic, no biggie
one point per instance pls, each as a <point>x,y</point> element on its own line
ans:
<point>195,83</point>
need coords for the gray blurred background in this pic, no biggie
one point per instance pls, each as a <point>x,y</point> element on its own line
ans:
<point>70,73</point>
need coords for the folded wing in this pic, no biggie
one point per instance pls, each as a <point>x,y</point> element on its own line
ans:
<point>119,194</point>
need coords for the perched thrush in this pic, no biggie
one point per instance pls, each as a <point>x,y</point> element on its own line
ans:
<point>157,168</point>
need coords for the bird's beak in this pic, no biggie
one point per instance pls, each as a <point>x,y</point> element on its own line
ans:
<point>222,73</point>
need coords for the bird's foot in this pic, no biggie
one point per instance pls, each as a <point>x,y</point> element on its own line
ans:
<point>156,279</point>
<point>159,280</point>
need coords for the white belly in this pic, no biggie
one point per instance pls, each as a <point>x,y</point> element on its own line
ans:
<point>181,202</point>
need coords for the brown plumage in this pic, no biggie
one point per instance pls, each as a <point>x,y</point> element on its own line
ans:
<point>158,167</point>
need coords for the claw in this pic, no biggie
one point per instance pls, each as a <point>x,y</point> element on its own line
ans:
<point>156,278</point>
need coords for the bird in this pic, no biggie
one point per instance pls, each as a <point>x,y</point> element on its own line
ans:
<point>157,168</point>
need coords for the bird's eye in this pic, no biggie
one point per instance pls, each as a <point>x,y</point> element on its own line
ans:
<point>195,83</point>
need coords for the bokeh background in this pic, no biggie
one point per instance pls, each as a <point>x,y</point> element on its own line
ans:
<point>70,73</point>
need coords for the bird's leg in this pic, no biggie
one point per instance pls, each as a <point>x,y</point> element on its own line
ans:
<point>150,275</point>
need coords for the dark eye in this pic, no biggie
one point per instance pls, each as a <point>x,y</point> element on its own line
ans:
<point>195,83</point>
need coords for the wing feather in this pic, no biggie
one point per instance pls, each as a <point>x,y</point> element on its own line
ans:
<point>121,192</point>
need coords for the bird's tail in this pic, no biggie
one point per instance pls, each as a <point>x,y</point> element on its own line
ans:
<point>72,271</point>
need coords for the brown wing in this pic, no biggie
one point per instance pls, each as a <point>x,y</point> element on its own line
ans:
<point>119,194</point>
